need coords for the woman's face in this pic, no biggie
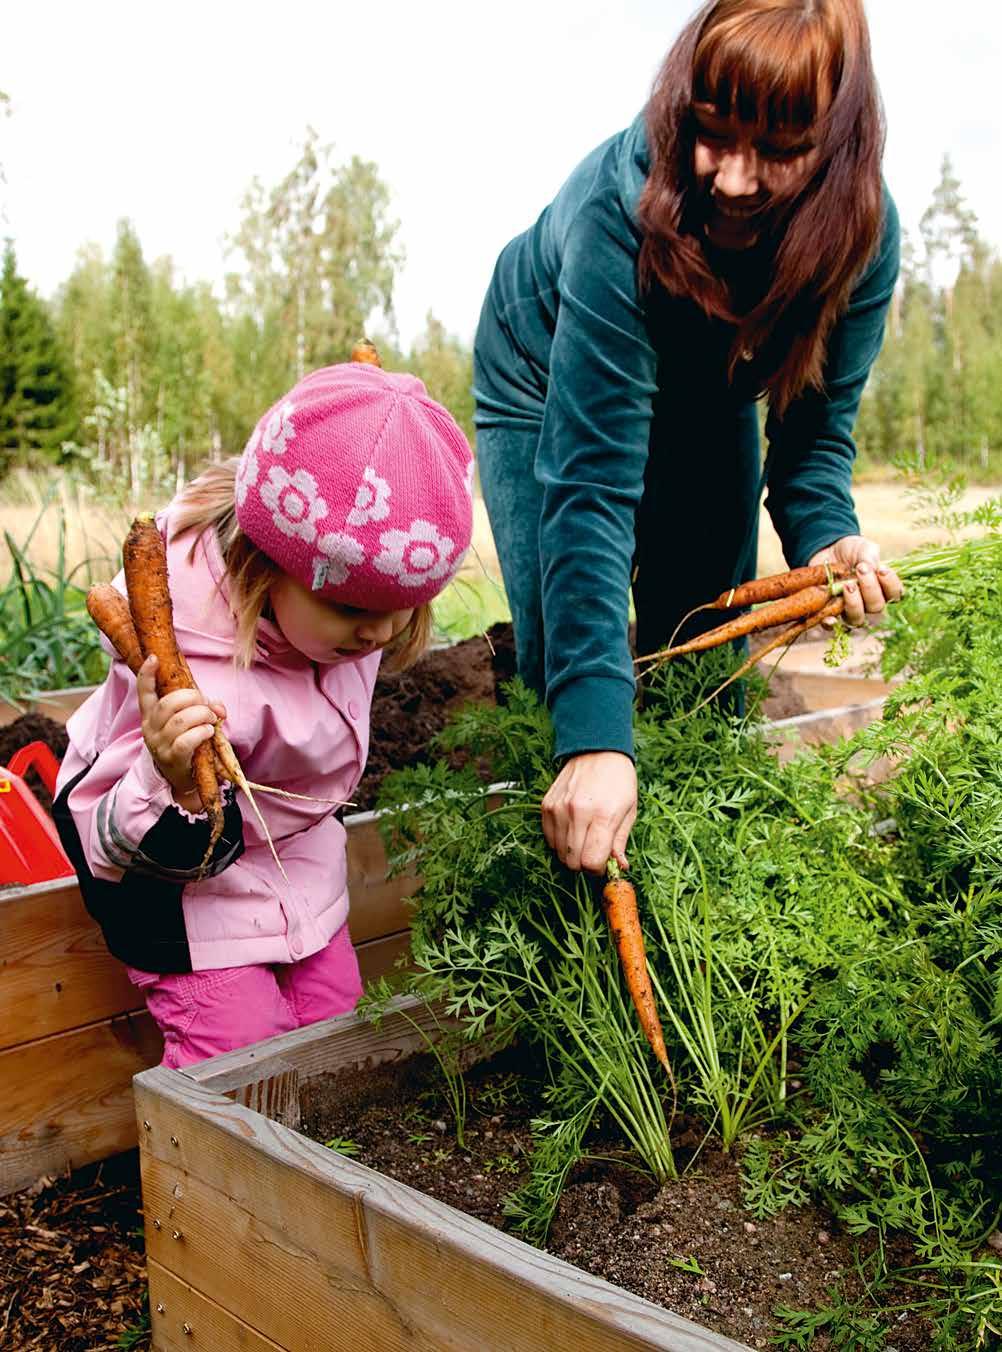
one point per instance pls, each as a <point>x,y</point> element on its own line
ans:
<point>324,631</point>
<point>739,171</point>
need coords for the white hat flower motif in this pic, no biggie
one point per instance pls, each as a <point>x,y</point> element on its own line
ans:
<point>415,556</point>
<point>471,470</point>
<point>294,501</point>
<point>280,430</point>
<point>372,501</point>
<point>248,471</point>
<point>341,553</point>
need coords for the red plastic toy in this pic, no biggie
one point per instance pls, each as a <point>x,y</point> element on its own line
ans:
<point>30,851</point>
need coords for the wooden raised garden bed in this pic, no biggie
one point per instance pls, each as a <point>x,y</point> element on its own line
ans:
<point>73,1033</point>
<point>259,1238</point>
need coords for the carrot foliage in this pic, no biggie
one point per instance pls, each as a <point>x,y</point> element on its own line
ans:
<point>826,950</point>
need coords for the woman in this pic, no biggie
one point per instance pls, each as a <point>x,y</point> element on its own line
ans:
<point>735,240</point>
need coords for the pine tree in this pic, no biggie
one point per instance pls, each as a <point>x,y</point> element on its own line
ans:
<point>37,405</point>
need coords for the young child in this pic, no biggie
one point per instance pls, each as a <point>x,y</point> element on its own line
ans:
<point>293,571</point>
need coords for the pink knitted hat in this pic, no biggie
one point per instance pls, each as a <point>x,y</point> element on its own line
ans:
<point>360,486</point>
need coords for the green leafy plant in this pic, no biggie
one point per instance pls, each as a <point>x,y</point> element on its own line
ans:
<point>47,639</point>
<point>344,1146</point>
<point>795,914</point>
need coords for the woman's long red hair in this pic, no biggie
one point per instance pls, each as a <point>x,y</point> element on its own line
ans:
<point>775,65</point>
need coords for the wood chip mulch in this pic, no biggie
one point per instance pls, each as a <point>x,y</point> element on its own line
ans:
<point>72,1268</point>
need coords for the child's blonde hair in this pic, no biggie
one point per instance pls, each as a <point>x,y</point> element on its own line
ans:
<point>208,503</point>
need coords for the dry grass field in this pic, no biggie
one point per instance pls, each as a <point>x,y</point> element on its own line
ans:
<point>885,513</point>
<point>95,527</point>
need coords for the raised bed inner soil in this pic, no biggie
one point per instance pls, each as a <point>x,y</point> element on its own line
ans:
<point>689,1245</point>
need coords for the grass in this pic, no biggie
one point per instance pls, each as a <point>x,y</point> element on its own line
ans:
<point>469,606</point>
<point>94,525</point>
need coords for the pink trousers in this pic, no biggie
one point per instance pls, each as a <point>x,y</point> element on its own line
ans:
<point>203,1013</point>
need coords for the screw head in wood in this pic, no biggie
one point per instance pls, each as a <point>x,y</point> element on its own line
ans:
<point>146,1125</point>
<point>187,1330</point>
<point>157,1225</point>
<point>177,1234</point>
<point>161,1308</point>
<point>174,1141</point>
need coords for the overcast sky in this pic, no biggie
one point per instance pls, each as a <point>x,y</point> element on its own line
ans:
<point>474,114</point>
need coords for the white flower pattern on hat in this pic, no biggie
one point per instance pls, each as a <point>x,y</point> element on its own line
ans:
<point>372,501</point>
<point>414,556</point>
<point>294,501</point>
<point>248,472</point>
<point>342,553</point>
<point>471,470</point>
<point>280,430</point>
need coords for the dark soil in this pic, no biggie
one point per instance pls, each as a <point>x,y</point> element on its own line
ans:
<point>410,708</point>
<point>33,728</point>
<point>689,1246</point>
<point>72,1268</point>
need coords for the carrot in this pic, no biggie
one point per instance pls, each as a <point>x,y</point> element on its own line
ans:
<point>784,639</point>
<point>366,352</point>
<point>784,611</point>
<point>109,610</point>
<point>145,562</point>
<point>775,586</point>
<point>619,900</point>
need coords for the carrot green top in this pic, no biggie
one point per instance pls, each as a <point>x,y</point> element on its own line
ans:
<point>621,385</point>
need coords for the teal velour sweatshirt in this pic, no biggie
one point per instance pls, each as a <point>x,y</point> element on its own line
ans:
<point>638,425</point>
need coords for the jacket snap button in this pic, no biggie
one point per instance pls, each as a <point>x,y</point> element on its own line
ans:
<point>353,708</point>
<point>296,947</point>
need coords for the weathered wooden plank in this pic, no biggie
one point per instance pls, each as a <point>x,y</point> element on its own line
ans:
<point>182,1318</point>
<point>379,957</point>
<point>67,1099</point>
<point>276,1097</point>
<point>347,1041</point>
<point>55,704</point>
<point>791,735</point>
<point>55,971</point>
<point>250,1211</point>
<point>251,1266</point>
<point>830,690</point>
<point>378,903</point>
<point>60,704</point>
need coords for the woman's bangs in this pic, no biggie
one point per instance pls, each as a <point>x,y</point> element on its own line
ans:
<point>765,71</point>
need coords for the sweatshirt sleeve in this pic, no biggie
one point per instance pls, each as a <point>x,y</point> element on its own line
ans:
<point>131,823</point>
<point>811,449</point>
<point>590,463</point>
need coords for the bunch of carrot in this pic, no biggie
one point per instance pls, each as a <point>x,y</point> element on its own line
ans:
<point>144,624</point>
<point>794,601</point>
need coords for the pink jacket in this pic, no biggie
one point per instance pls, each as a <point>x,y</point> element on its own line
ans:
<point>293,724</point>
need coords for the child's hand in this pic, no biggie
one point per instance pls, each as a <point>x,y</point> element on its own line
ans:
<point>173,727</point>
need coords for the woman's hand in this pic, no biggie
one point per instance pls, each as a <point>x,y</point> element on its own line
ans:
<point>873,583</point>
<point>589,809</point>
<point>173,727</point>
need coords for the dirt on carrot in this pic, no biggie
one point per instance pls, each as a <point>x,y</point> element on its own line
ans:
<point>145,560</point>
<point>109,610</point>
<point>776,586</point>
